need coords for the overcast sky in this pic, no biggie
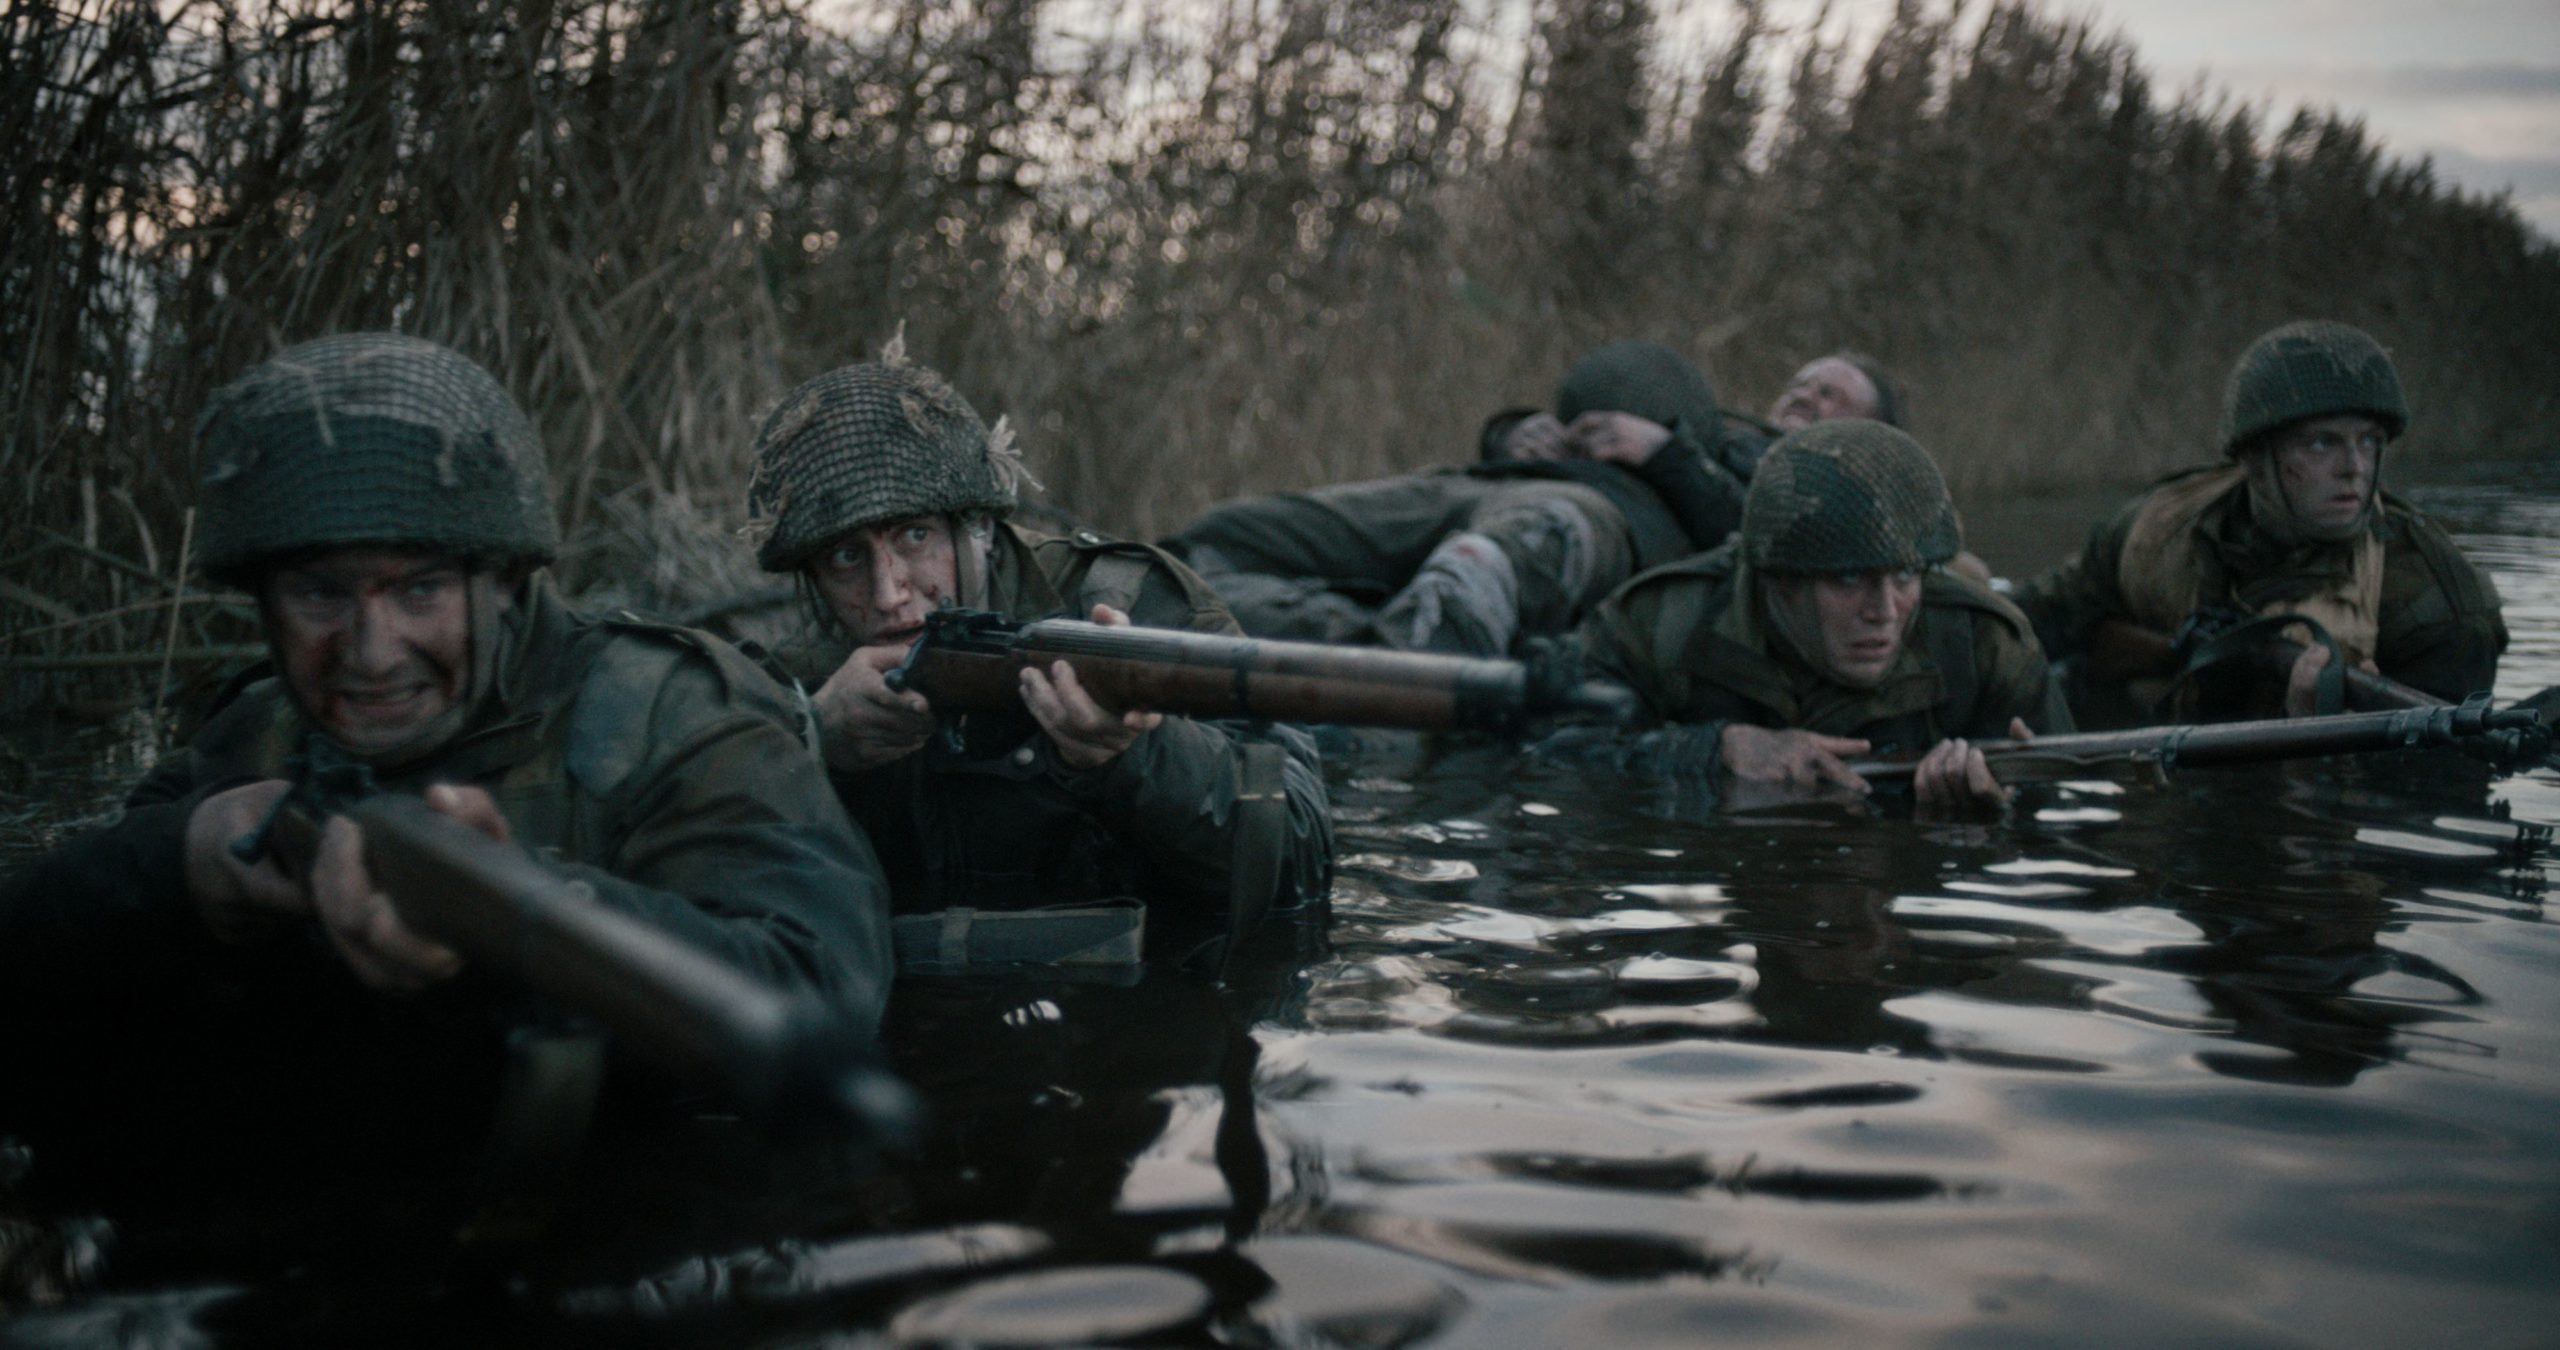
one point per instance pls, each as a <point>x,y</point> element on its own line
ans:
<point>2474,84</point>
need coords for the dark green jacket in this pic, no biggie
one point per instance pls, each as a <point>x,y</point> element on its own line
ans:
<point>986,816</point>
<point>2440,627</point>
<point>654,763</point>
<point>1694,650</point>
<point>1682,500</point>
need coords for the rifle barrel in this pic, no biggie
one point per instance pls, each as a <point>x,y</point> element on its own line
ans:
<point>2214,743</point>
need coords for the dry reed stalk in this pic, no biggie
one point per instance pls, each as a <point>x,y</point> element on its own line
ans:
<point>1191,252</point>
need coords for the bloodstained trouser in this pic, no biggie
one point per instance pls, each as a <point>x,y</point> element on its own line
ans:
<point>1441,562</point>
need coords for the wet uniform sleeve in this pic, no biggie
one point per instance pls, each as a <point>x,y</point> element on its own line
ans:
<point>1704,496</point>
<point>1175,794</point>
<point>2017,681</point>
<point>1618,644</point>
<point>2442,629</point>
<point>2451,660</point>
<point>728,836</point>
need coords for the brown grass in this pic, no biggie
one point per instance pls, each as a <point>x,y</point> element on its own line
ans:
<point>1191,250</point>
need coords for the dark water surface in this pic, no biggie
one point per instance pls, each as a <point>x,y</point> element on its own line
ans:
<point>2257,1057</point>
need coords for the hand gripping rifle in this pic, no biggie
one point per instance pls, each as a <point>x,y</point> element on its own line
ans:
<point>2121,649</point>
<point>783,1059</point>
<point>2507,736</point>
<point>970,660</point>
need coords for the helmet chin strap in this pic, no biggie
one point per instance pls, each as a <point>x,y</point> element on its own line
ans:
<point>1787,604</point>
<point>2274,512</point>
<point>972,542</point>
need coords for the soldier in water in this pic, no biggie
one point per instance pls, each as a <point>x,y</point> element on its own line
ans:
<point>387,507</point>
<point>1829,629</point>
<point>2294,521</point>
<point>880,489</point>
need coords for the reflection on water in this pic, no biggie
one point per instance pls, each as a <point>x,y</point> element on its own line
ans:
<point>2264,1056</point>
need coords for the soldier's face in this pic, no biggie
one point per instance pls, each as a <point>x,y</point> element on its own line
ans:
<point>882,580</point>
<point>1824,391</point>
<point>2327,467</point>
<point>375,643</point>
<point>1861,618</point>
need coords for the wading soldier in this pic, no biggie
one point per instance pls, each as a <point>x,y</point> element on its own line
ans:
<point>1828,630</point>
<point>2294,523</point>
<point>1563,507</point>
<point>880,489</point>
<point>387,507</point>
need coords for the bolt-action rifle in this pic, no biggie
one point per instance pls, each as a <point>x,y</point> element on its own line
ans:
<point>2510,736</point>
<point>707,1024</point>
<point>970,660</point>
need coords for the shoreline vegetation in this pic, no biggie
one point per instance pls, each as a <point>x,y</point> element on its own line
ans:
<point>1190,250</point>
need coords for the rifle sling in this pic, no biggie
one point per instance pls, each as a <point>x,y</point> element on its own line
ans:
<point>2247,639</point>
<point>1262,818</point>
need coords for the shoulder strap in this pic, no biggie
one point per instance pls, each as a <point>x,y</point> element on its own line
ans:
<point>1262,821</point>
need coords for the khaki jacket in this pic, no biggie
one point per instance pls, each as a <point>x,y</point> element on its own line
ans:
<point>2427,616</point>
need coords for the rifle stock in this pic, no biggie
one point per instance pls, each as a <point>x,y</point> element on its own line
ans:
<point>2517,732</point>
<point>969,660</point>
<point>704,1022</point>
<point>2122,650</point>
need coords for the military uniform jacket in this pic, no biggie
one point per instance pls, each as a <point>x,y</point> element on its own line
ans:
<point>2438,625</point>
<point>987,817</point>
<point>1692,648</point>
<point>1683,500</point>
<point>657,765</point>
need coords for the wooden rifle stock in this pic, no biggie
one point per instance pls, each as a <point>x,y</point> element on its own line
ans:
<point>2518,731</point>
<point>970,660</point>
<point>2122,650</point>
<point>701,1020</point>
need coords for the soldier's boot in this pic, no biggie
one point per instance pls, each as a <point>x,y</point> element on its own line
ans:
<point>1465,599</point>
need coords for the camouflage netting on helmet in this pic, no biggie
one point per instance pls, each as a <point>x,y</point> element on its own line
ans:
<point>368,438</point>
<point>1645,378</point>
<point>868,443</point>
<point>2310,369</point>
<point>1847,496</point>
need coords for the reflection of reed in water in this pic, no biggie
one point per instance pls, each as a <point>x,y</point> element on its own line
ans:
<point>2280,873</point>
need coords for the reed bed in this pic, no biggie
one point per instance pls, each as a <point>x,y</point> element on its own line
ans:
<point>1192,250</point>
